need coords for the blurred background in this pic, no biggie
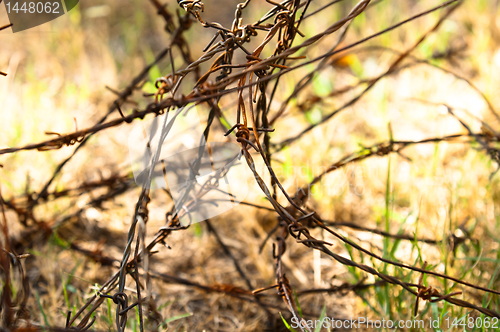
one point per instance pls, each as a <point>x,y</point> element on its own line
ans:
<point>58,74</point>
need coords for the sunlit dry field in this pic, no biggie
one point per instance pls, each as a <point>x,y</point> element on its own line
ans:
<point>367,177</point>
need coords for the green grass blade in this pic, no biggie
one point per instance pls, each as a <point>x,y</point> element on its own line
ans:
<point>286,323</point>
<point>321,318</point>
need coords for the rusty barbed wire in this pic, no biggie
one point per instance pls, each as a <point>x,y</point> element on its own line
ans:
<point>251,131</point>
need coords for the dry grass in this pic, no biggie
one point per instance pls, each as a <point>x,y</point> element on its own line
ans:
<point>443,190</point>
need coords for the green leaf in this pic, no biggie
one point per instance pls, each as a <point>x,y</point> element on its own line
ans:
<point>314,116</point>
<point>286,323</point>
<point>45,319</point>
<point>321,317</point>
<point>226,124</point>
<point>149,87</point>
<point>174,318</point>
<point>297,303</point>
<point>58,241</point>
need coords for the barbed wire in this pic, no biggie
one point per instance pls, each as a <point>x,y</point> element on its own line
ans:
<point>248,81</point>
